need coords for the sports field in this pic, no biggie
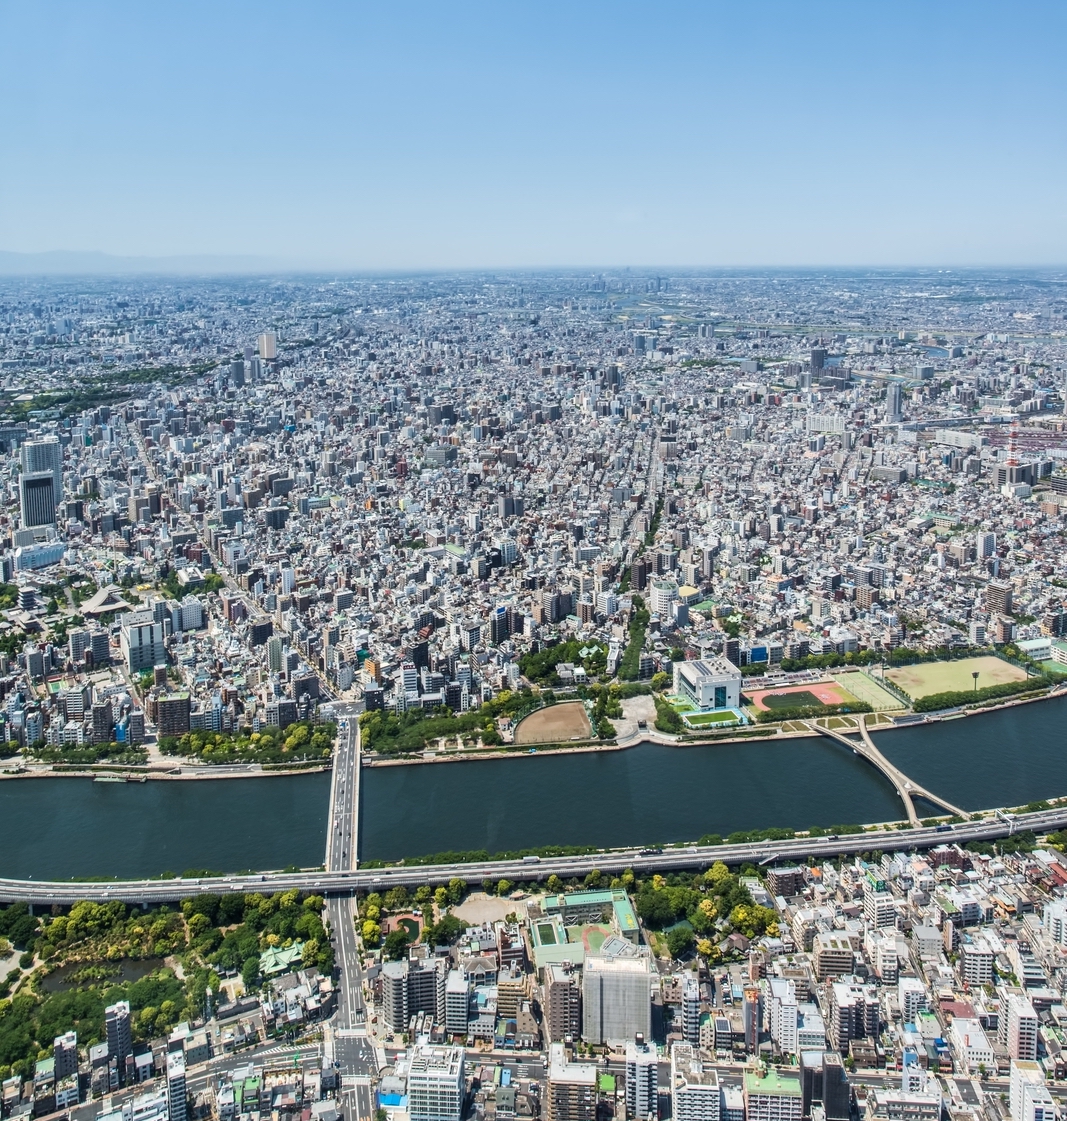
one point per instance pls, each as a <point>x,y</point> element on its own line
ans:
<point>795,696</point>
<point>555,724</point>
<point>944,677</point>
<point>591,936</point>
<point>866,688</point>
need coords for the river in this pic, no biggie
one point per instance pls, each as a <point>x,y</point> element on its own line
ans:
<point>64,827</point>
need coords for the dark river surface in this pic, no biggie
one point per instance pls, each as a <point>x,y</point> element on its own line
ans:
<point>59,828</point>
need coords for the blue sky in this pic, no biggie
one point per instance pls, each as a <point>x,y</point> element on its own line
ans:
<point>397,136</point>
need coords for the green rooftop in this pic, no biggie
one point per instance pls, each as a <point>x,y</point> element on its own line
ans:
<point>771,1082</point>
<point>576,907</point>
<point>277,960</point>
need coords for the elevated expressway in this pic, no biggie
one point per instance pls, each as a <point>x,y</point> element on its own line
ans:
<point>907,789</point>
<point>346,881</point>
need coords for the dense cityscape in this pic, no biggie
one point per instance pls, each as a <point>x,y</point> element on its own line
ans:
<point>256,527</point>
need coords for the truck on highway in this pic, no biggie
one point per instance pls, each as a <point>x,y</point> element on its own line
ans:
<point>531,860</point>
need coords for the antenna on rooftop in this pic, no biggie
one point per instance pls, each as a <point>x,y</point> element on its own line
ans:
<point>1013,444</point>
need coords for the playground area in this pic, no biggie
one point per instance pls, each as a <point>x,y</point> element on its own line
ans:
<point>797,696</point>
<point>555,724</point>
<point>591,936</point>
<point>926,678</point>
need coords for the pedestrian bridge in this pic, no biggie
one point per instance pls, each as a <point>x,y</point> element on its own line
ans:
<point>905,787</point>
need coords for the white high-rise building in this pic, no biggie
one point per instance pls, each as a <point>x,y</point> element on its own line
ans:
<point>879,909</point>
<point>695,1092</point>
<point>142,641</point>
<point>783,1015</point>
<point>985,545</point>
<point>642,1079</point>
<point>268,346</point>
<point>1020,1029</point>
<point>435,1083</point>
<point>912,996</point>
<point>976,959</point>
<point>1028,1096</point>
<point>1055,920</point>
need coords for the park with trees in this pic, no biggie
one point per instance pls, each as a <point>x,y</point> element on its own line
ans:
<point>87,950</point>
<point>300,743</point>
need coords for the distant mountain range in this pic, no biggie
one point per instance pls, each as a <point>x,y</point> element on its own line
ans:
<point>66,263</point>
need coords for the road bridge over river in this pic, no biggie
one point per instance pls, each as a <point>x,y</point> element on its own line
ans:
<point>346,1034</point>
<point>906,788</point>
<point>346,882</point>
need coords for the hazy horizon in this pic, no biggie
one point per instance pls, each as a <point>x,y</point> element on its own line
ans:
<point>97,264</point>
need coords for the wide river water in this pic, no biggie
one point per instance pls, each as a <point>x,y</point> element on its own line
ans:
<point>58,828</point>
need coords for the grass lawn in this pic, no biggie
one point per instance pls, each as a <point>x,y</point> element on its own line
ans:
<point>944,677</point>
<point>698,718</point>
<point>546,933</point>
<point>790,700</point>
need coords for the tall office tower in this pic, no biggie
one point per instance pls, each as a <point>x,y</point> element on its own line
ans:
<point>268,346</point>
<point>118,1033</point>
<point>571,1087</point>
<point>818,359</point>
<point>45,455</point>
<point>893,411</point>
<point>985,544</point>
<point>695,1092</point>
<point>435,1083</point>
<point>37,499</point>
<point>616,1000</point>
<point>176,1086</point>
<point>642,1079</point>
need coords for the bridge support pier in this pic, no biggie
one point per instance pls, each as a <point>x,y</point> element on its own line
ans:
<point>904,786</point>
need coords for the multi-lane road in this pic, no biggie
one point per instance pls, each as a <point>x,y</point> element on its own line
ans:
<point>347,1038</point>
<point>341,878</point>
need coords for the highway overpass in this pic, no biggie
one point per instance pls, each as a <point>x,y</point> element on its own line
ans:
<point>346,881</point>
